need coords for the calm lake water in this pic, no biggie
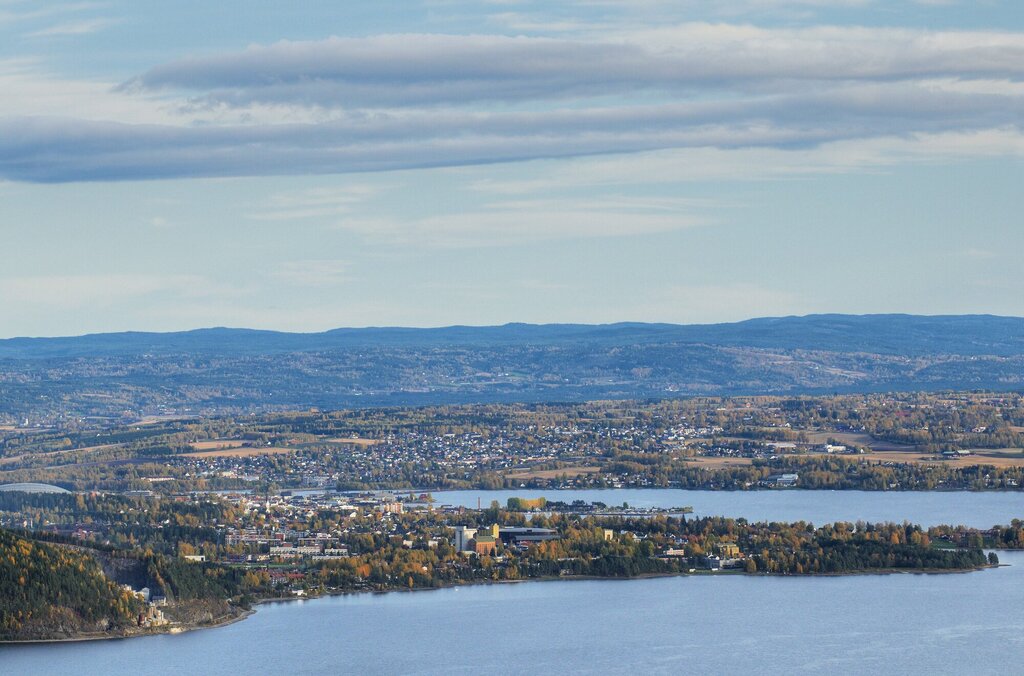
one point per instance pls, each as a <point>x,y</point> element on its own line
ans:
<point>892,624</point>
<point>980,510</point>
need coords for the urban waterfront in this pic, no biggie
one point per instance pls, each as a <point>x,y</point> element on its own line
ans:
<point>900,623</point>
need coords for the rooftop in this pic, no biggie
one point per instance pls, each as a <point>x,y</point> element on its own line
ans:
<point>33,488</point>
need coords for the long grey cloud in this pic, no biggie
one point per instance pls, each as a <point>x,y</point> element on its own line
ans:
<point>404,70</point>
<point>36,149</point>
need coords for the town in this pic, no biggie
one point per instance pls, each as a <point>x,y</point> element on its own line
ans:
<point>914,441</point>
<point>310,543</point>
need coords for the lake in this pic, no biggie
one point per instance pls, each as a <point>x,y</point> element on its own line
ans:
<point>977,509</point>
<point>867,624</point>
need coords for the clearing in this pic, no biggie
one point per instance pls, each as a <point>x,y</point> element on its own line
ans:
<point>216,444</point>
<point>997,457</point>
<point>718,462</point>
<point>52,454</point>
<point>354,441</point>
<point>857,439</point>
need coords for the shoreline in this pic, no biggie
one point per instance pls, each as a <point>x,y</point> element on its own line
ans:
<point>224,621</point>
<point>245,613</point>
<point>751,489</point>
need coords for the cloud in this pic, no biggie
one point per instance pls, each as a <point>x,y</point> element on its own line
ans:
<point>29,90</point>
<point>409,70</point>
<point>313,203</point>
<point>414,101</point>
<point>37,12</point>
<point>676,166</point>
<point>312,273</point>
<point>53,150</point>
<point>976,254</point>
<point>103,290</point>
<point>73,28</point>
<point>512,222</point>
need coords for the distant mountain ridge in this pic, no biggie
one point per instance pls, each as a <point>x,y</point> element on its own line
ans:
<point>889,334</point>
<point>216,371</point>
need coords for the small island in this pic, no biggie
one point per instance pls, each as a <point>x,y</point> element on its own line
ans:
<point>106,566</point>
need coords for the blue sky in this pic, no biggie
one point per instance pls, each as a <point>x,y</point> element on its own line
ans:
<point>312,165</point>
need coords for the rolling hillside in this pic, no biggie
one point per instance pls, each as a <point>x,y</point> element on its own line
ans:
<point>125,375</point>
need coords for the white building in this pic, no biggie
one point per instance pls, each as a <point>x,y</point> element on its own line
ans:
<point>462,537</point>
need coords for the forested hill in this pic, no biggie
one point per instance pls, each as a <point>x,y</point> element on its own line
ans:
<point>220,370</point>
<point>50,592</point>
<point>907,335</point>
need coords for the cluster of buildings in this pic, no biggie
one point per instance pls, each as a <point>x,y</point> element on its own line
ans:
<point>268,528</point>
<point>485,541</point>
<point>456,455</point>
<point>725,555</point>
<point>501,450</point>
<point>153,614</point>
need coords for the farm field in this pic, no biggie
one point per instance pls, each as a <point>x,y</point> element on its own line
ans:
<point>353,441</point>
<point>1008,457</point>
<point>216,444</point>
<point>240,452</point>
<point>857,439</point>
<point>715,462</point>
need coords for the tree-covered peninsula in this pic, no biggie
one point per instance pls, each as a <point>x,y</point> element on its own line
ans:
<point>100,565</point>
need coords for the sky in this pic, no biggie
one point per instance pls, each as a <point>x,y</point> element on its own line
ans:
<point>312,165</point>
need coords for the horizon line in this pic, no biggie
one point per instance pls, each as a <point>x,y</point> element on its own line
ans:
<point>128,332</point>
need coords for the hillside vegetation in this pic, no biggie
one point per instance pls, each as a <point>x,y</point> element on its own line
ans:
<point>49,592</point>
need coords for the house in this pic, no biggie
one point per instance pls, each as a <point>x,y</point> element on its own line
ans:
<point>713,563</point>
<point>783,479</point>
<point>728,550</point>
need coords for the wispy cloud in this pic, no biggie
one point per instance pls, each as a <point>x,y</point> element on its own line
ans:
<point>73,28</point>
<point>512,222</point>
<point>312,273</point>
<point>313,203</point>
<point>73,291</point>
<point>13,12</point>
<point>675,166</point>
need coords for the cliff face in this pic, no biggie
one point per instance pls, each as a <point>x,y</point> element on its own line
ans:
<point>125,570</point>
